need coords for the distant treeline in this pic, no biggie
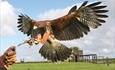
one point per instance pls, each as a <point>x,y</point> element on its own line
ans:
<point>32,62</point>
<point>111,60</point>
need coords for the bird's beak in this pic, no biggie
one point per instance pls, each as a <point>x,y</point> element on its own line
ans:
<point>35,27</point>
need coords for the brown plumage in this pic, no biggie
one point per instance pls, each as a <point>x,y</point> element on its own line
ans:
<point>71,26</point>
<point>55,51</point>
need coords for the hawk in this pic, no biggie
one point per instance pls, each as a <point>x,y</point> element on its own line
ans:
<point>73,25</point>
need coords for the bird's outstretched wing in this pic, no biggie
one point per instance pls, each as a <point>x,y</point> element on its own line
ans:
<point>58,52</point>
<point>26,25</point>
<point>78,21</point>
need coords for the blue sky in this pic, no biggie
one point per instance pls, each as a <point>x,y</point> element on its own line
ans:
<point>33,7</point>
<point>38,9</point>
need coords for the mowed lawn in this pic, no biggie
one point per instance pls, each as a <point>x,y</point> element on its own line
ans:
<point>62,66</point>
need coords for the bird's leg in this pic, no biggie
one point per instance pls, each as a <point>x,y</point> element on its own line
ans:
<point>42,39</point>
<point>45,37</point>
<point>29,42</point>
<point>38,38</point>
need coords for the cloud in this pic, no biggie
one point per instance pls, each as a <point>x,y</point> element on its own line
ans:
<point>8,18</point>
<point>0,1</point>
<point>54,13</point>
<point>99,41</point>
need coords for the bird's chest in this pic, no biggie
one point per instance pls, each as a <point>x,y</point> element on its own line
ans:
<point>42,24</point>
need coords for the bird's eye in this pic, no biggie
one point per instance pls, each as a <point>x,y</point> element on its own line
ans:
<point>35,27</point>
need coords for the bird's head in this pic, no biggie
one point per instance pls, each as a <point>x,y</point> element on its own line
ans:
<point>35,25</point>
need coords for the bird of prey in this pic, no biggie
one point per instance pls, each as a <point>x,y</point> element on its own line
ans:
<point>73,25</point>
<point>55,51</point>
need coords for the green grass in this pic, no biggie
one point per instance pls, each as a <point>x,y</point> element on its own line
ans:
<point>62,66</point>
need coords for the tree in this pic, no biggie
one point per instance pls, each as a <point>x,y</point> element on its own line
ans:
<point>76,52</point>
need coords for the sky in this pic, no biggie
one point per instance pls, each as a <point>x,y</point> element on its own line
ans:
<point>99,41</point>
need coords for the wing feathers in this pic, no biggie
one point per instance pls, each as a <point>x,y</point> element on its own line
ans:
<point>94,4</point>
<point>99,7</point>
<point>25,24</point>
<point>75,30</point>
<point>84,4</point>
<point>72,9</point>
<point>100,20</point>
<point>55,53</point>
<point>101,15</point>
<point>100,11</point>
<point>78,23</point>
<point>19,25</point>
<point>91,14</point>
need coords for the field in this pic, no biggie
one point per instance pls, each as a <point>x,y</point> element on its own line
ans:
<point>62,66</point>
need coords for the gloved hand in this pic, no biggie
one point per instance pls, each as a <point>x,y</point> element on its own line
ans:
<point>9,57</point>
